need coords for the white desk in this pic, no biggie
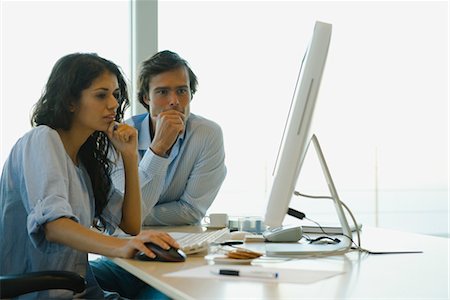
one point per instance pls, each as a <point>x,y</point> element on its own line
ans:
<point>386,276</point>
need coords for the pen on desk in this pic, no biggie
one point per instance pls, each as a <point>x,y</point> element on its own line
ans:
<point>255,274</point>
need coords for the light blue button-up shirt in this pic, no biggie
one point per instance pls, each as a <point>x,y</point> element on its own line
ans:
<point>179,189</point>
<point>39,184</point>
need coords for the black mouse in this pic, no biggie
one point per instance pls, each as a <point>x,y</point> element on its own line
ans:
<point>171,255</point>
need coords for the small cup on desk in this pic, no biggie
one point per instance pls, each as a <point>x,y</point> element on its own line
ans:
<point>216,220</point>
<point>251,224</point>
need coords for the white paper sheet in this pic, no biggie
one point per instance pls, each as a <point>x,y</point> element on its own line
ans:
<point>284,275</point>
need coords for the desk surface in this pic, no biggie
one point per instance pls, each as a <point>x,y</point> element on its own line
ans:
<point>384,276</point>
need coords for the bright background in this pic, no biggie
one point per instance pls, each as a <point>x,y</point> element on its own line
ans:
<point>381,115</point>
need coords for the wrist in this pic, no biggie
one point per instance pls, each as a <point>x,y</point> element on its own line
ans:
<point>130,156</point>
<point>158,150</point>
<point>119,248</point>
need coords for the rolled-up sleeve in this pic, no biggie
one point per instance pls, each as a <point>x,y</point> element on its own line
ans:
<point>47,210</point>
<point>45,185</point>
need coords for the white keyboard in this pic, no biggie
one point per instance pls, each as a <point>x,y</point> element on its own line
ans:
<point>198,242</point>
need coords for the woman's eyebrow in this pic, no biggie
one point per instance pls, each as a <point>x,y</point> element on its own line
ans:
<point>105,89</point>
<point>101,88</point>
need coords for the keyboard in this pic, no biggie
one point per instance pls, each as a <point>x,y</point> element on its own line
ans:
<point>194,242</point>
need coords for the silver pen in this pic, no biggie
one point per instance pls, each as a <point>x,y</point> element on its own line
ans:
<point>254,274</point>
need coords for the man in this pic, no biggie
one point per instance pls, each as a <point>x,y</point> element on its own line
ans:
<point>181,154</point>
<point>181,166</point>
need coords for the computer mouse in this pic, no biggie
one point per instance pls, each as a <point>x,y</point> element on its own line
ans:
<point>283,234</point>
<point>170,255</point>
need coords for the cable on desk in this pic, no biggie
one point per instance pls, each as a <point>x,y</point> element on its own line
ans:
<point>358,246</point>
<point>328,239</point>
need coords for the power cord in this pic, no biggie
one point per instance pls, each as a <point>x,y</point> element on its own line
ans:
<point>358,246</point>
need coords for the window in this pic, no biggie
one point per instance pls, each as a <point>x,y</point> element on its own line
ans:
<point>382,112</point>
<point>35,34</point>
<point>381,116</point>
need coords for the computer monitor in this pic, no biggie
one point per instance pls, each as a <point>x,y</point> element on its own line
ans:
<point>297,129</point>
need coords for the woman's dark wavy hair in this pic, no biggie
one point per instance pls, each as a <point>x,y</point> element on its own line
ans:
<point>161,62</point>
<point>71,75</point>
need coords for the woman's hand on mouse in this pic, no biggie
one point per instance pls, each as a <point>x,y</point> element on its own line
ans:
<point>137,243</point>
<point>160,238</point>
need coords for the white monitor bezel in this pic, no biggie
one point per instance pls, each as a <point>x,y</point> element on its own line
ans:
<point>297,130</point>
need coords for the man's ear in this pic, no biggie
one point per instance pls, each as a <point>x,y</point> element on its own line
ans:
<point>146,100</point>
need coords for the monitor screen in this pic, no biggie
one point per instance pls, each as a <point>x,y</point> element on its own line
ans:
<point>296,132</point>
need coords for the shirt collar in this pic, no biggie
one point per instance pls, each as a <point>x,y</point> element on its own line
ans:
<point>144,134</point>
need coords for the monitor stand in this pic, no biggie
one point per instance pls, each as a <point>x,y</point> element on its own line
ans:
<point>326,172</point>
<point>293,249</point>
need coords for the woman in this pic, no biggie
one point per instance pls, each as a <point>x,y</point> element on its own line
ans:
<point>56,182</point>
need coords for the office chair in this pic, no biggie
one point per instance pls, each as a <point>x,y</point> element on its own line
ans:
<point>15,285</point>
